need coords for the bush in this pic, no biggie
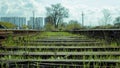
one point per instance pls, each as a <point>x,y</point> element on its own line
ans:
<point>49,27</point>
<point>73,26</point>
<point>8,25</point>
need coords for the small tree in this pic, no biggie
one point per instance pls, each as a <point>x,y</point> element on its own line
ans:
<point>49,27</point>
<point>73,25</point>
<point>62,26</point>
<point>24,26</point>
<point>117,22</point>
<point>56,13</point>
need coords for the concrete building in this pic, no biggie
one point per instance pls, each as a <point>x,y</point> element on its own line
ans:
<point>36,22</point>
<point>18,21</point>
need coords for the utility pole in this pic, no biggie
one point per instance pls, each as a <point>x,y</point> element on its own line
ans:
<point>82,19</point>
<point>33,19</point>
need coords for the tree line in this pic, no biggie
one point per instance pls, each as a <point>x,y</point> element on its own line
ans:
<point>56,14</point>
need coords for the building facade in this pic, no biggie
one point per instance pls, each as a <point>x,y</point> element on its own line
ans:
<point>36,22</point>
<point>18,21</point>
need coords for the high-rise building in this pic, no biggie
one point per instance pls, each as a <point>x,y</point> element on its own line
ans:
<point>39,22</point>
<point>30,22</point>
<point>36,22</point>
<point>18,21</point>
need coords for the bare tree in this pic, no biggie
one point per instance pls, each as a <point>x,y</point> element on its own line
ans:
<point>106,17</point>
<point>57,13</point>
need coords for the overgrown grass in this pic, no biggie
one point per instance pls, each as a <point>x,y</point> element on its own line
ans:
<point>25,40</point>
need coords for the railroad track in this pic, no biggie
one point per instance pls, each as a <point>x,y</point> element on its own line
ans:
<point>61,40</point>
<point>59,47</point>
<point>63,43</point>
<point>4,35</point>
<point>60,52</point>
<point>60,63</point>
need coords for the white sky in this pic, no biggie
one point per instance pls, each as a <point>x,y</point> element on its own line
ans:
<point>91,8</point>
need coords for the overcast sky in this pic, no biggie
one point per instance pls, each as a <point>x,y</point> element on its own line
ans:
<point>91,8</point>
